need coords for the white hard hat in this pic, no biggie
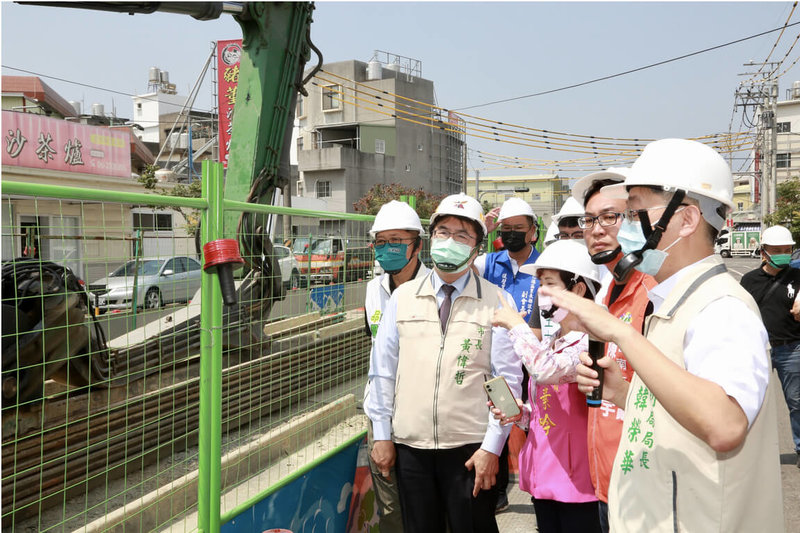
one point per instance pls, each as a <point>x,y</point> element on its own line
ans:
<point>585,183</point>
<point>550,236</point>
<point>514,207</point>
<point>396,215</point>
<point>683,164</point>
<point>777,236</point>
<point>571,208</point>
<point>460,205</point>
<point>568,256</point>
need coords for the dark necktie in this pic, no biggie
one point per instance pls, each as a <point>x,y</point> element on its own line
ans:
<point>444,310</point>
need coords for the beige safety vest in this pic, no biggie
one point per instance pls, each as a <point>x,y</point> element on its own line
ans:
<point>666,479</point>
<point>439,398</point>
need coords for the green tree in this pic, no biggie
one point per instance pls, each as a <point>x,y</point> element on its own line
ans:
<point>192,190</point>
<point>148,177</point>
<point>380,193</point>
<point>787,208</point>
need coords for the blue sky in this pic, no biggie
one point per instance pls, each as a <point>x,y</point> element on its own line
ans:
<point>474,52</point>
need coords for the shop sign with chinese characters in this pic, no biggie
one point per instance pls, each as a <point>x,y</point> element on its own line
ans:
<point>228,55</point>
<point>36,141</point>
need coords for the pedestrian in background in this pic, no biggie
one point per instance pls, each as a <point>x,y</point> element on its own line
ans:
<point>435,348</point>
<point>397,233</point>
<point>775,286</point>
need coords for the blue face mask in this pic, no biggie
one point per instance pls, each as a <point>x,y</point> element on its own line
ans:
<point>631,238</point>
<point>392,257</point>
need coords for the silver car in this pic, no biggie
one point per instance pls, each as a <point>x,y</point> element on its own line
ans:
<point>159,281</point>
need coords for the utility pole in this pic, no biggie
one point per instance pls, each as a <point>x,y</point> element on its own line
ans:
<point>760,91</point>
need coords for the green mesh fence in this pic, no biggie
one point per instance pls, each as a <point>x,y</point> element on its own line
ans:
<point>101,371</point>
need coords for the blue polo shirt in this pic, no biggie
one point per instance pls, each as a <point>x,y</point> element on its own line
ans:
<point>522,287</point>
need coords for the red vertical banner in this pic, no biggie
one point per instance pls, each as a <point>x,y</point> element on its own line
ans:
<point>228,55</point>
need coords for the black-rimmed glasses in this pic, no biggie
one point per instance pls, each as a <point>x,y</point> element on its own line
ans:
<point>604,219</point>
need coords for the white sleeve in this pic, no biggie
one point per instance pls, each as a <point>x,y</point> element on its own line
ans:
<point>384,357</point>
<point>480,264</point>
<point>726,344</point>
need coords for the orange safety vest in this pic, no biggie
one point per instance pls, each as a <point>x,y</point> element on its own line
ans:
<point>605,422</point>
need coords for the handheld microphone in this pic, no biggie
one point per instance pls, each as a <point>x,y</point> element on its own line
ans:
<point>596,349</point>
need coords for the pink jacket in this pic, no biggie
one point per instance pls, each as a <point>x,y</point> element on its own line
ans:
<point>554,461</point>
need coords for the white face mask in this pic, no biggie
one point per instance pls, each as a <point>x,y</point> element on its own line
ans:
<point>546,303</point>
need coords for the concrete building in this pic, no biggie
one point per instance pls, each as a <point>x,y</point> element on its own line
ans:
<point>49,142</point>
<point>172,130</point>
<point>788,125</point>
<point>545,192</point>
<point>369,123</point>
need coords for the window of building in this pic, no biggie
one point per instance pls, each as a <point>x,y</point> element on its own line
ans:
<point>323,189</point>
<point>152,221</point>
<point>784,127</point>
<point>299,144</point>
<point>331,98</point>
<point>300,106</point>
<point>299,188</point>
<point>783,160</point>
<point>138,108</point>
<point>380,146</point>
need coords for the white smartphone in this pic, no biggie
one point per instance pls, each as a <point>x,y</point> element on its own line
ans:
<point>500,393</point>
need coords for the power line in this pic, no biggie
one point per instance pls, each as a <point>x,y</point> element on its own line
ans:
<point>575,85</point>
<point>113,91</point>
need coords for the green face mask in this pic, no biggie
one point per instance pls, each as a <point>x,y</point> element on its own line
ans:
<point>779,260</point>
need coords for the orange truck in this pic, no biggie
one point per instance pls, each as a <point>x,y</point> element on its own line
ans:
<point>331,260</point>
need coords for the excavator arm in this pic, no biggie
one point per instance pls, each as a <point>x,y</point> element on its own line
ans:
<point>276,45</point>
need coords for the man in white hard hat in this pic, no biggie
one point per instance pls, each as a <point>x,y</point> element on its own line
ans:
<point>518,230</point>
<point>627,300</point>
<point>434,349</point>
<point>567,220</point>
<point>775,286</point>
<point>397,233</point>
<point>699,440</point>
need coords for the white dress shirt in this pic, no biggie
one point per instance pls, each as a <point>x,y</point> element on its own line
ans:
<point>725,344</point>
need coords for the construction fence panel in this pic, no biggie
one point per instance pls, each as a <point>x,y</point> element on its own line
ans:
<point>101,343</point>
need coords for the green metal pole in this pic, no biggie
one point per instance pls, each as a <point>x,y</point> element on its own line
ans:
<point>208,504</point>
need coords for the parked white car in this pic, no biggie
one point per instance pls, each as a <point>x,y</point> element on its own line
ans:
<point>159,281</point>
<point>290,269</point>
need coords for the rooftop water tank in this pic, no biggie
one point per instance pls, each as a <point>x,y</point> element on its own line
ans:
<point>164,76</point>
<point>796,90</point>
<point>394,67</point>
<point>154,76</point>
<point>76,106</point>
<point>374,70</point>
<point>98,110</point>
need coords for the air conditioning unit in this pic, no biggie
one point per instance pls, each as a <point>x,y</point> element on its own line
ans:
<point>179,141</point>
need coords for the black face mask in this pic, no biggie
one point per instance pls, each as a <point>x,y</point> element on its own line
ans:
<point>606,256</point>
<point>513,241</point>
